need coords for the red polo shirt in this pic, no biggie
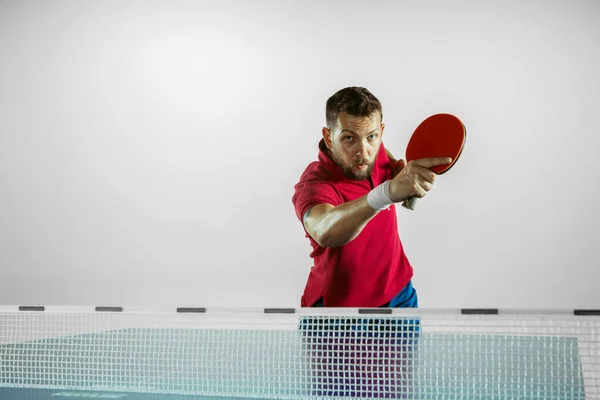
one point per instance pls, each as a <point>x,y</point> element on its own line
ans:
<point>371,269</point>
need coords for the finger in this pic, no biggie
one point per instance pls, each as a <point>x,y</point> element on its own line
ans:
<point>420,187</point>
<point>427,174</point>
<point>424,184</point>
<point>433,161</point>
<point>421,172</point>
<point>420,191</point>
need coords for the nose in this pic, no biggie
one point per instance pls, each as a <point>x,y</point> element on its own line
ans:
<point>362,149</point>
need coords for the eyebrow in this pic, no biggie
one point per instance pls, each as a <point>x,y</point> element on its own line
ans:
<point>354,133</point>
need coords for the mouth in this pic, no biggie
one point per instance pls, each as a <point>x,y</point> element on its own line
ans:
<point>361,167</point>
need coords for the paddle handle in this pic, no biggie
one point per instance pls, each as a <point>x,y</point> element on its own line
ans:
<point>410,203</point>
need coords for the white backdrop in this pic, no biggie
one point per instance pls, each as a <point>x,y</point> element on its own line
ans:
<point>148,150</point>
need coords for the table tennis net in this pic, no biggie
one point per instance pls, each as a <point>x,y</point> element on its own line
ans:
<point>303,354</point>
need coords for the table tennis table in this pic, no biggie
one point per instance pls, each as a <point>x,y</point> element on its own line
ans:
<point>197,353</point>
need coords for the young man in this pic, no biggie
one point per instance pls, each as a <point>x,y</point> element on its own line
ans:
<point>346,203</point>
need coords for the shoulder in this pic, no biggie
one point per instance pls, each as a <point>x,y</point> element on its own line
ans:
<point>315,172</point>
<point>315,186</point>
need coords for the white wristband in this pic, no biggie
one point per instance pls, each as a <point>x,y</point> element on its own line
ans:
<point>379,198</point>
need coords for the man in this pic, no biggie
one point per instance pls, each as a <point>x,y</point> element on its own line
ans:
<point>346,203</point>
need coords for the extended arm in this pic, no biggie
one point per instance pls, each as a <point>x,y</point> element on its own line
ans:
<point>333,226</point>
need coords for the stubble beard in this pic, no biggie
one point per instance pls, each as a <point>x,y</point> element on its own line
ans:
<point>347,169</point>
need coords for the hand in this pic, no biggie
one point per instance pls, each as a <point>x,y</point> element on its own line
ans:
<point>415,178</point>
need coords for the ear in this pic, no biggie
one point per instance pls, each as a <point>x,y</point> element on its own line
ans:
<point>382,128</point>
<point>327,137</point>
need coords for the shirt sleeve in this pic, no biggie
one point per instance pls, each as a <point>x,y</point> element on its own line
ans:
<point>310,194</point>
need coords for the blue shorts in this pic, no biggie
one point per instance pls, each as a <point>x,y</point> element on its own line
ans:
<point>407,298</point>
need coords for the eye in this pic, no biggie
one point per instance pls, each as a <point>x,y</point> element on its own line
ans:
<point>373,136</point>
<point>348,138</point>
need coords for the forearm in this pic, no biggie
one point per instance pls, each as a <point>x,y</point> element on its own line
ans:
<point>342,224</point>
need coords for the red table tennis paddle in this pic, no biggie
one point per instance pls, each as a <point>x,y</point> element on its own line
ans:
<point>440,135</point>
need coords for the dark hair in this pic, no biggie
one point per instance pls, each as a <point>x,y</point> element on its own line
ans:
<point>356,101</point>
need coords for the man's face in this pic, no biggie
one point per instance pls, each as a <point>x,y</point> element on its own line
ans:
<point>354,144</point>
